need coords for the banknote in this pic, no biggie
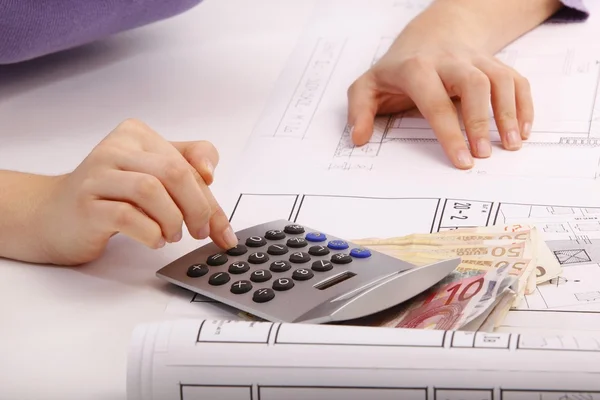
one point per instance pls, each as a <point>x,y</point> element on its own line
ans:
<point>547,266</point>
<point>460,235</point>
<point>498,314</point>
<point>453,302</point>
<point>499,266</point>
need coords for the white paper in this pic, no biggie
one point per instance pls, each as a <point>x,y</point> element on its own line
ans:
<point>300,164</point>
<point>233,360</point>
<point>304,124</point>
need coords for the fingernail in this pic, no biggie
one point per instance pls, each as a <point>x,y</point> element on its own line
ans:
<point>204,231</point>
<point>230,238</point>
<point>513,139</point>
<point>526,130</point>
<point>161,243</point>
<point>177,237</point>
<point>484,149</point>
<point>464,158</point>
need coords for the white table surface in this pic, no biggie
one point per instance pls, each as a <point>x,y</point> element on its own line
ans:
<point>206,74</point>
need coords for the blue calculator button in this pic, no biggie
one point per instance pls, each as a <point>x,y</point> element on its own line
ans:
<point>315,237</point>
<point>337,245</point>
<point>360,253</point>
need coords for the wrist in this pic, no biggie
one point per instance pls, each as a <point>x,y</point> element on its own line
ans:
<point>23,212</point>
<point>486,26</point>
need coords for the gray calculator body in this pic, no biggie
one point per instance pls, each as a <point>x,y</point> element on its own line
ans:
<point>282,271</point>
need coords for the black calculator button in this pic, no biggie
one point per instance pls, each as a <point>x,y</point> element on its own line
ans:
<point>296,242</point>
<point>316,237</point>
<point>318,251</point>
<point>219,278</point>
<point>260,275</point>
<point>280,266</point>
<point>241,287</point>
<point>282,284</point>
<point>322,265</point>
<point>217,259</point>
<point>299,257</point>
<point>277,249</point>
<point>255,241</point>
<point>239,267</point>
<point>258,258</point>
<point>302,274</point>
<point>341,258</point>
<point>274,235</point>
<point>293,229</point>
<point>197,270</point>
<point>263,295</point>
<point>238,250</point>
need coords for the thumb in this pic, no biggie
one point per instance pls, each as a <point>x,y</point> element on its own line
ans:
<point>202,156</point>
<point>362,110</point>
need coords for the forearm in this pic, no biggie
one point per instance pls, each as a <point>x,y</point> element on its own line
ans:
<point>488,25</point>
<point>21,195</point>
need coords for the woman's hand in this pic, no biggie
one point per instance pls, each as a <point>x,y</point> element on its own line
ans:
<point>444,53</point>
<point>136,183</point>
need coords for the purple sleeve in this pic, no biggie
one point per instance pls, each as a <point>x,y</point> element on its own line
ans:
<point>34,28</point>
<point>572,10</point>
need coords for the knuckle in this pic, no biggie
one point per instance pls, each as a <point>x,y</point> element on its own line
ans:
<point>359,83</point>
<point>504,116</point>
<point>175,170</point>
<point>86,187</point>
<point>217,211</point>
<point>146,187</point>
<point>134,128</point>
<point>478,80</point>
<point>130,124</point>
<point>205,148</point>
<point>416,63</point>
<point>205,212</point>
<point>173,225</point>
<point>124,215</point>
<point>478,124</point>
<point>522,82</point>
<point>503,76</point>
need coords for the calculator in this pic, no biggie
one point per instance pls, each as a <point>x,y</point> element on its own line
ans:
<point>282,271</point>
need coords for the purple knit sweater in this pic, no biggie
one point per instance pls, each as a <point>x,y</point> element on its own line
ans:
<point>34,28</point>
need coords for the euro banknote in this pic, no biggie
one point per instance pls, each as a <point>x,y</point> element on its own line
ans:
<point>499,266</point>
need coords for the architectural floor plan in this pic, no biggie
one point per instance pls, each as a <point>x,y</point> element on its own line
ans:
<point>308,107</point>
<point>300,163</point>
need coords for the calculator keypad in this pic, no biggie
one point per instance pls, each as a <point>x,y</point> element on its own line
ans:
<point>219,278</point>
<point>275,262</point>
<point>238,250</point>
<point>258,258</point>
<point>299,257</point>
<point>255,241</point>
<point>297,242</point>
<point>322,265</point>
<point>197,270</point>
<point>217,259</point>
<point>239,267</point>
<point>277,249</point>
